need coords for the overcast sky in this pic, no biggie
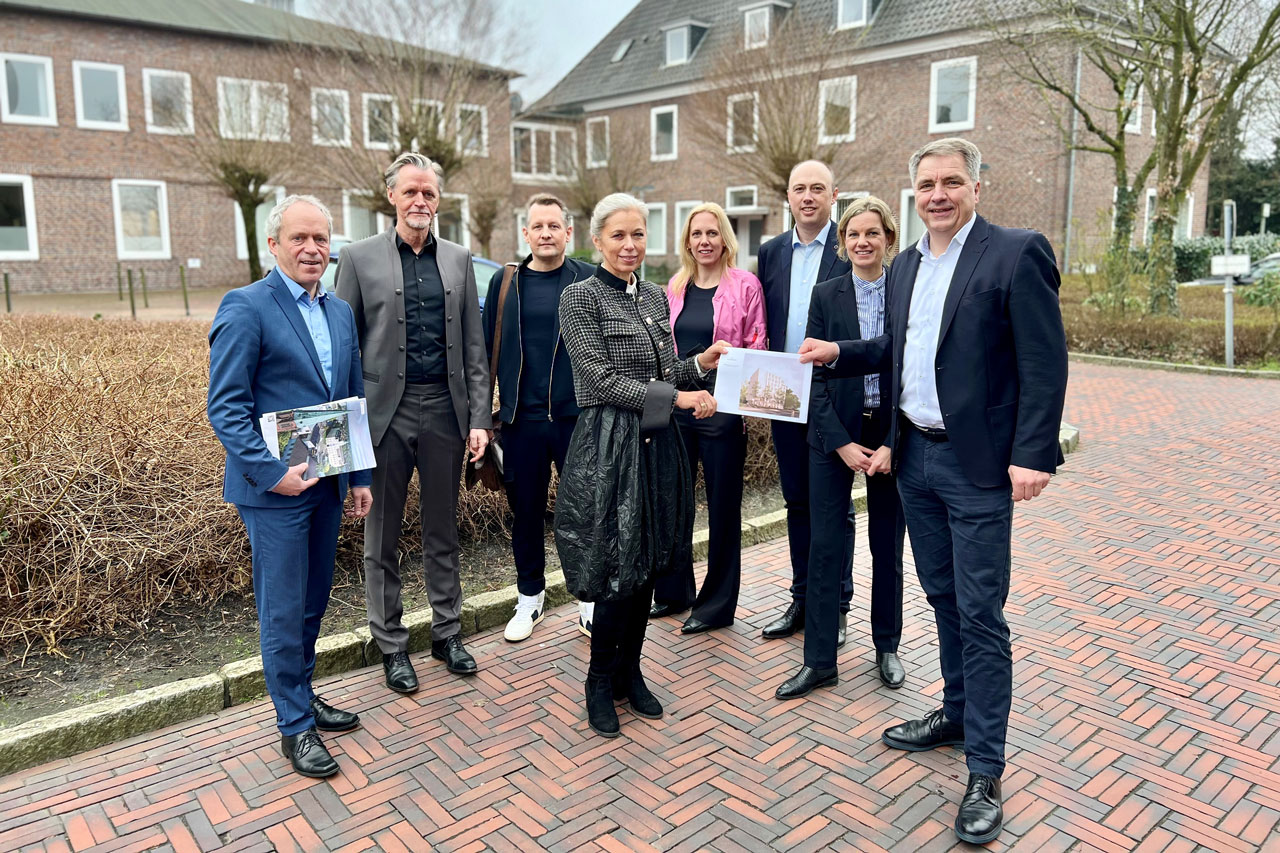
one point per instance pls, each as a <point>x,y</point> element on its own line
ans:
<point>560,34</point>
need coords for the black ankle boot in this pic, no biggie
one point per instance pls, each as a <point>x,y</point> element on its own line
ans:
<point>642,700</point>
<point>601,715</point>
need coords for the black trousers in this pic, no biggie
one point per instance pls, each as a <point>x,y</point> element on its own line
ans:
<point>530,447</point>
<point>721,444</point>
<point>791,444</point>
<point>617,633</point>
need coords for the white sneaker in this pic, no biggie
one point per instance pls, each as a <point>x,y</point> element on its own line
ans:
<point>586,610</point>
<point>529,612</point>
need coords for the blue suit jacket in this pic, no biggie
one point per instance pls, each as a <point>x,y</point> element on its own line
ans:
<point>261,359</point>
<point>774,265</point>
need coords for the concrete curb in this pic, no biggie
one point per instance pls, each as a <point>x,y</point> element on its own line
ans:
<point>1175,367</point>
<point>67,733</point>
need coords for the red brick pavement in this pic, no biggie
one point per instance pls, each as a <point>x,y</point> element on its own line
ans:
<point>1144,607</point>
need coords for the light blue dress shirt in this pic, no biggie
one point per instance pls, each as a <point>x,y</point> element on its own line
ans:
<point>313,316</point>
<point>870,299</point>
<point>919,400</point>
<point>806,258</point>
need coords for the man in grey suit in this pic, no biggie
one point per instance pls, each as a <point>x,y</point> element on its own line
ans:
<point>427,382</point>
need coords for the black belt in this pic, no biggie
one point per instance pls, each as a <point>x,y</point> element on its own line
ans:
<point>431,381</point>
<point>927,432</point>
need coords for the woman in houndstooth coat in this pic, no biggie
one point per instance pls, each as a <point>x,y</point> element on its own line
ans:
<point>624,507</point>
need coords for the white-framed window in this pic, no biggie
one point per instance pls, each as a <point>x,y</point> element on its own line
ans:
<point>1149,215</point>
<point>682,214</point>
<point>743,122</point>
<point>739,197</point>
<point>100,98</point>
<point>543,151</point>
<point>953,90</point>
<point>910,225</point>
<point>1184,226</point>
<point>677,42</point>
<point>452,221</point>
<point>843,202</point>
<point>473,129</point>
<point>27,94</point>
<point>381,120</point>
<point>166,97</point>
<point>664,131</point>
<point>597,142</point>
<point>1133,99</point>
<point>851,13</point>
<point>18,238</point>
<point>358,221</point>
<point>330,118</point>
<point>837,109</point>
<point>755,27</point>
<point>656,238</point>
<point>522,221</point>
<point>620,51</point>
<point>253,109</point>
<point>141,210</point>
<point>275,196</point>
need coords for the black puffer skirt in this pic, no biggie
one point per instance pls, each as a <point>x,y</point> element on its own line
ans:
<point>624,507</point>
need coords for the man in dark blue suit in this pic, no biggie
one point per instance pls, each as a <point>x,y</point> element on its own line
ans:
<point>979,377</point>
<point>282,343</point>
<point>789,266</point>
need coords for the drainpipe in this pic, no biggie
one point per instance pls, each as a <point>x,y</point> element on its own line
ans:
<point>1071,172</point>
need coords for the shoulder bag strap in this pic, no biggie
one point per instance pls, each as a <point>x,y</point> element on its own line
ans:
<point>508,271</point>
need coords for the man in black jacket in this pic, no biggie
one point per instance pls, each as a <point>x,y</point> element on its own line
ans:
<point>535,393</point>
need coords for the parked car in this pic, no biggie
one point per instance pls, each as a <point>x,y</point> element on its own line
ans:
<point>1271,263</point>
<point>484,269</point>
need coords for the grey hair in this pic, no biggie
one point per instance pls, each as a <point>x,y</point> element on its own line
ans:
<point>417,161</point>
<point>615,203</point>
<point>947,147</point>
<point>276,216</point>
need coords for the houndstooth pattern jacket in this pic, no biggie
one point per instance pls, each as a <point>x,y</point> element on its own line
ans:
<point>622,351</point>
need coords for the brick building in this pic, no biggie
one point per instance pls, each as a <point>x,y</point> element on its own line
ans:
<point>892,75</point>
<point>104,105</point>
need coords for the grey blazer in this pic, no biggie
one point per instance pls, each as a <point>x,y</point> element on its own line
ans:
<point>371,281</point>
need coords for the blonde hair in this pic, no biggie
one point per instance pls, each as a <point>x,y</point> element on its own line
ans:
<point>689,266</point>
<point>868,204</point>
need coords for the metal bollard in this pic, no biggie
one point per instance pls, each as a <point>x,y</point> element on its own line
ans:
<point>133,306</point>
<point>146,303</point>
<point>182,276</point>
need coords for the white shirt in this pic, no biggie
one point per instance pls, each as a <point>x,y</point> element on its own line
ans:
<point>919,400</point>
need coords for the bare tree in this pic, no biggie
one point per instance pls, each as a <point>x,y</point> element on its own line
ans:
<point>488,193</point>
<point>614,160</point>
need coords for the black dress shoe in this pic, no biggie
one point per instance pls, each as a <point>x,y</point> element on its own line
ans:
<point>806,681</point>
<point>929,733</point>
<point>659,609</point>
<point>307,753</point>
<point>694,625</point>
<point>399,672</point>
<point>792,620</point>
<point>981,814</point>
<point>840,632</point>
<point>891,672</point>
<point>601,715</point>
<point>330,719</point>
<point>456,658</point>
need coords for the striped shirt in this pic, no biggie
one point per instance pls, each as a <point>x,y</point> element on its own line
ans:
<point>870,296</point>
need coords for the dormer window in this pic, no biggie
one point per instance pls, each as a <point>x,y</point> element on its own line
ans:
<point>759,19</point>
<point>851,13</point>
<point>682,39</point>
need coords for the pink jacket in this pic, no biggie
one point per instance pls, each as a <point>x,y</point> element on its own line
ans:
<point>737,309</point>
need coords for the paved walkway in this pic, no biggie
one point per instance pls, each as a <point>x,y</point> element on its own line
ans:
<point>1144,607</point>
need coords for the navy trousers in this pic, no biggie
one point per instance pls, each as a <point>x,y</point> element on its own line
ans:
<point>960,539</point>
<point>293,553</point>
<point>529,449</point>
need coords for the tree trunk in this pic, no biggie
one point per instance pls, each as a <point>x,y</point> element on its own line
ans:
<point>1126,213</point>
<point>1161,268</point>
<point>249,216</point>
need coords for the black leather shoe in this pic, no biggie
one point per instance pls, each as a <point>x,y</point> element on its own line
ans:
<point>330,719</point>
<point>792,620</point>
<point>694,625</point>
<point>891,672</point>
<point>399,672</point>
<point>456,658</point>
<point>307,753</point>
<point>929,733</point>
<point>981,814</point>
<point>806,681</point>
<point>840,632</point>
<point>601,715</point>
<point>658,610</point>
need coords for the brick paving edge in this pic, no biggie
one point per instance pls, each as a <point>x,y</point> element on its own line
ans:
<point>1174,366</point>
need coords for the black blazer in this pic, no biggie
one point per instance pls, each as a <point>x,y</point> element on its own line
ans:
<point>1002,354</point>
<point>836,403</point>
<point>773,263</point>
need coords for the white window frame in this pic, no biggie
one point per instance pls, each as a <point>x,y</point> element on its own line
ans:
<point>728,196</point>
<point>523,249</point>
<point>147,75</point>
<point>842,24</point>
<point>6,116</point>
<point>161,254</point>
<point>1190,202</point>
<point>242,239</point>
<point>654,112</point>
<point>441,123</point>
<point>685,31</point>
<point>32,252</point>
<point>653,247</point>
<point>682,209</point>
<point>484,128</point>
<point>79,65</point>
<point>464,211</point>
<point>316,139</point>
<point>754,97</point>
<point>825,86</point>
<point>365,98</point>
<point>380,222</point>
<point>621,50</point>
<point>950,126</point>
<point>1134,125</point>
<point>255,110</point>
<point>765,12</point>
<point>906,209</point>
<point>592,163</point>
<point>553,159</point>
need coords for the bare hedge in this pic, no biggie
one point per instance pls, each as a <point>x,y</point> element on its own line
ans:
<point>111,481</point>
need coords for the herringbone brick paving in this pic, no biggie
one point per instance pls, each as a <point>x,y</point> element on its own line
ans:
<point>1144,606</point>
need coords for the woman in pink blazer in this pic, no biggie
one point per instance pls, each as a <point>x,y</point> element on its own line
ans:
<point>712,300</point>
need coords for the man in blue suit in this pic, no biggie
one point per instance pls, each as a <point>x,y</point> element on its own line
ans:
<point>282,343</point>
